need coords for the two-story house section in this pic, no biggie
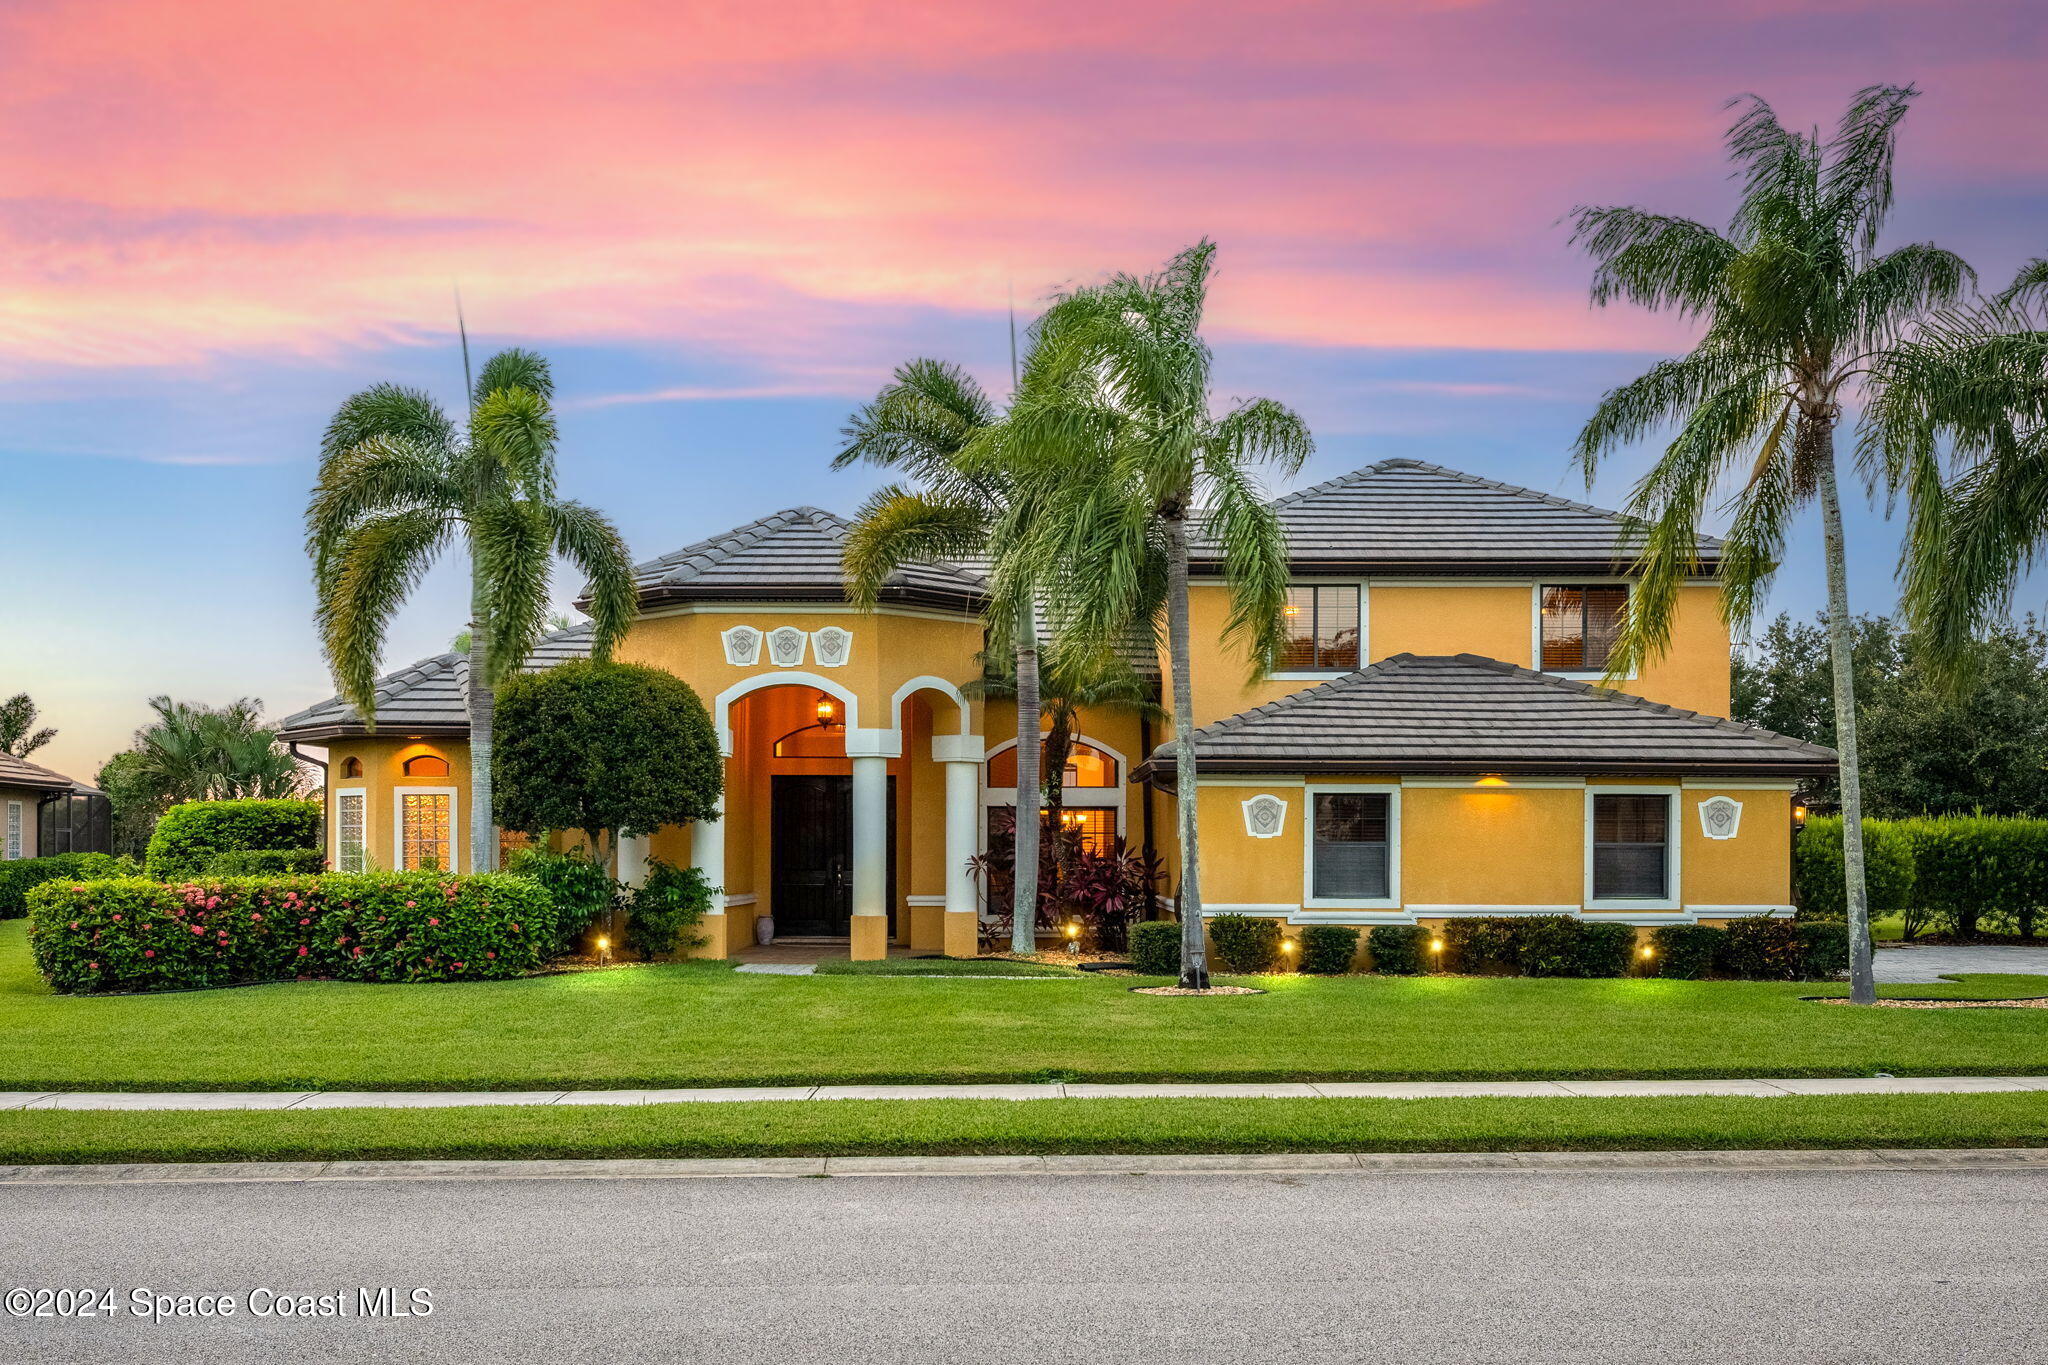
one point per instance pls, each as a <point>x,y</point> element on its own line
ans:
<point>1433,744</point>
<point>1437,742</point>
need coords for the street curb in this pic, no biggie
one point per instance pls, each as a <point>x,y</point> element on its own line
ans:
<point>1266,1164</point>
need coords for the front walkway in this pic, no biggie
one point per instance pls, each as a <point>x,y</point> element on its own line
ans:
<point>1070,1090</point>
<point>1924,966</point>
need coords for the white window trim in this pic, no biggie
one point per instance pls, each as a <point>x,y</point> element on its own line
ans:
<point>1674,843</point>
<point>398,795</point>
<point>1365,657</point>
<point>1310,901</point>
<point>334,854</point>
<point>16,835</point>
<point>1536,625</point>
<point>1073,798</point>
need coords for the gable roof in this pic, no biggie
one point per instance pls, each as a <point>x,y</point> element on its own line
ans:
<point>792,555</point>
<point>1463,713</point>
<point>1405,516</point>
<point>19,772</point>
<point>429,698</point>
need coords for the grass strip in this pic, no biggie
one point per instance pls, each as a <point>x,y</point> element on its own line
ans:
<point>942,966</point>
<point>1033,1127</point>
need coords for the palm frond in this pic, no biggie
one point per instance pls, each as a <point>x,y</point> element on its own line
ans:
<point>376,566</point>
<point>514,368</point>
<point>1652,259</point>
<point>512,444</point>
<point>896,526</point>
<point>587,539</point>
<point>510,546</point>
<point>387,411</point>
<point>1856,188</point>
<point>379,474</point>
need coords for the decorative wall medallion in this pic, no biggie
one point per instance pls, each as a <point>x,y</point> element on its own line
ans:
<point>831,647</point>
<point>742,646</point>
<point>1265,816</point>
<point>1720,817</point>
<point>786,646</point>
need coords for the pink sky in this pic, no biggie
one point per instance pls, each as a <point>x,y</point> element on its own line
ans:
<point>195,191</point>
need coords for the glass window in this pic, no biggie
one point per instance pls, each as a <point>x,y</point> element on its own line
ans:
<point>351,767</point>
<point>426,765</point>
<point>1350,855</point>
<point>423,830</point>
<point>1580,625</point>
<point>1631,847</point>
<point>1321,628</point>
<point>1087,766</point>
<point>1097,827</point>
<point>351,850</point>
<point>14,829</point>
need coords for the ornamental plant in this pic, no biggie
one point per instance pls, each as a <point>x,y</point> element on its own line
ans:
<point>1245,944</point>
<point>19,876</point>
<point>134,934</point>
<point>190,836</point>
<point>1328,949</point>
<point>1396,949</point>
<point>672,901</point>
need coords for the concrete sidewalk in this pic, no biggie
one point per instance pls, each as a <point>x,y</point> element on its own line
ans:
<point>1288,1090</point>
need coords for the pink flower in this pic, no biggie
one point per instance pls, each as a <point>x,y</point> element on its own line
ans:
<point>149,952</point>
<point>458,966</point>
<point>148,926</point>
<point>431,920</point>
<point>492,956</point>
<point>197,931</point>
<point>74,924</point>
<point>117,919</point>
<point>213,903</point>
<point>302,950</point>
<point>410,904</point>
<point>92,966</point>
<point>355,952</point>
<point>305,921</point>
<point>256,919</point>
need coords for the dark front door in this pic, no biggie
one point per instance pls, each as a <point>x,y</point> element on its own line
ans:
<point>811,828</point>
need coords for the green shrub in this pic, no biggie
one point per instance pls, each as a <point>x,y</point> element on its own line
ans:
<point>1155,948</point>
<point>581,888</point>
<point>1762,949</point>
<point>1490,943</point>
<point>1328,949</point>
<point>1606,949</point>
<point>267,862</point>
<point>1823,949</point>
<point>19,875</point>
<point>672,900</point>
<point>1548,945</point>
<point>1396,949</point>
<point>1889,867</point>
<point>1686,952</point>
<point>133,934</point>
<point>1245,944</point>
<point>189,835</point>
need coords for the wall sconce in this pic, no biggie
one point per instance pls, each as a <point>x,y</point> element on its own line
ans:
<point>827,712</point>
<point>1798,813</point>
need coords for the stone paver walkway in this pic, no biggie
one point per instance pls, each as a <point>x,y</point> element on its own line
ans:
<point>1071,1090</point>
<point>1926,965</point>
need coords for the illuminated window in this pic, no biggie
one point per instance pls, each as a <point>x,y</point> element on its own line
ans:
<point>1087,766</point>
<point>426,765</point>
<point>423,830</point>
<point>351,852</point>
<point>1321,628</point>
<point>1580,626</point>
<point>1631,847</point>
<point>351,767</point>
<point>1096,826</point>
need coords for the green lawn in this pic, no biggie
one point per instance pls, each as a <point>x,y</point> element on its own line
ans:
<point>702,1024</point>
<point>944,966</point>
<point>891,1127</point>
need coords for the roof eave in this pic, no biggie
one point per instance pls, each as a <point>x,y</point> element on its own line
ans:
<point>1160,766</point>
<point>1709,568</point>
<point>965,602</point>
<point>353,729</point>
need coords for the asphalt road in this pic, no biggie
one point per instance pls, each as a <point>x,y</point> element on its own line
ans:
<point>1486,1267</point>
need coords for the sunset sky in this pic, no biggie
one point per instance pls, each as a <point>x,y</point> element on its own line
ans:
<point>725,223</point>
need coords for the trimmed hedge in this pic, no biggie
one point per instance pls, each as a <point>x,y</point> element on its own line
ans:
<point>1959,873</point>
<point>1155,948</point>
<point>1328,949</point>
<point>1606,950</point>
<point>18,876</point>
<point>673,900</point>
<point>1245,944</point>
<point>134,934</point>
<point>1686,952</point>
<point>261,862</point>
<point>1396,949</point>
<point>189,836</point>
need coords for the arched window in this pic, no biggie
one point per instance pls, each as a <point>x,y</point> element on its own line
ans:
<point>1087,766</point>
<point>351,767</point>
<point>426,765</point>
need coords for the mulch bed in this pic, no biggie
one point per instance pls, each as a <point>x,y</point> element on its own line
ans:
<point>1177,990</point>
<point>2029,1003</point>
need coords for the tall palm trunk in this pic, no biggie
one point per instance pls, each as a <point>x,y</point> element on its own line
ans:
<point>1194,954</point>
<point>1862,983</point>
<point>1024,909</point>
<point>483,842</point>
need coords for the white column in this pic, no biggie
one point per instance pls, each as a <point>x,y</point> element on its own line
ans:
<point>963,804</point>
<point>707,855</point>
<point>870,836</point>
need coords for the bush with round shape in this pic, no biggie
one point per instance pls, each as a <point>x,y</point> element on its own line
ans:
<point>1328,949</point>
<point>1155,948</point>
<point>1546,945</point>
<point>261,862</point>
<point>1606,949</point>
<point>661,912</point>
<point>1762,949</point>
<point>1396,949</point>
<point>1486,944</point>
<point>1685,952</point>
<point>1823,949</point>
<point>1245,944</point>
<point>137,934</point>
<point>191,835</point>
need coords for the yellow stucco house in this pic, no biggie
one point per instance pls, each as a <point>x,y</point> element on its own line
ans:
<point>1435,743</point>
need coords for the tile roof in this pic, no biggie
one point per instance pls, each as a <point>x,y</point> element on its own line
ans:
<point>1463,713</point>
<point>430,696</point>
<point>791,555</point>
<point>1405,515</point>
<point>19,772</point>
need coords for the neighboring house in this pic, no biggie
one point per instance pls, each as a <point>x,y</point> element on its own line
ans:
<point>1434,744</point>
<point>44,813</point>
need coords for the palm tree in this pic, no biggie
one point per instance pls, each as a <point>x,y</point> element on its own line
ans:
<point>1070,683</point>
<point>1799,305</point>
<point>1980,395</point>
<point>398,483</point>
<point>18,734</point>
<point>1117,419</point>
<point>934,423</point>
<point>193,752</point>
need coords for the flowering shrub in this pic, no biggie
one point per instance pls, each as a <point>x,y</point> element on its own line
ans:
<point>138,935</point>
<point>18,876</point>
